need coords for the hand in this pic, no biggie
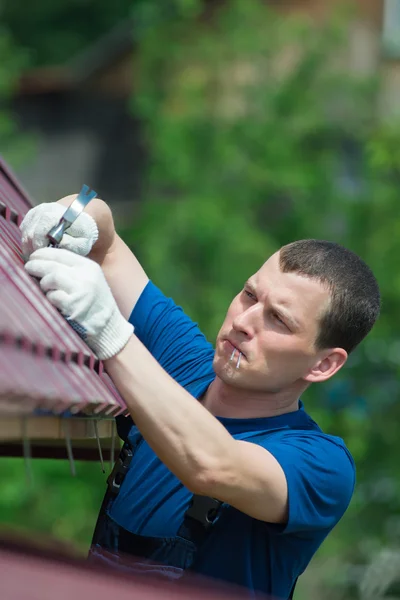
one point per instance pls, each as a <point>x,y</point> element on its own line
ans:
<point>38,221</point>
<point>77,287</point>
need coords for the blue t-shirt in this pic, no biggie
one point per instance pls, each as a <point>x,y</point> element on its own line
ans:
<point>240,549</point>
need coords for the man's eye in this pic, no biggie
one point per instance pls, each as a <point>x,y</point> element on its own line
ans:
<point>250,295</point>
<point>277,318</point>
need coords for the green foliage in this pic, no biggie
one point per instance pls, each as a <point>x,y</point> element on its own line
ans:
<point>53,32</point>
<point>52,504</point>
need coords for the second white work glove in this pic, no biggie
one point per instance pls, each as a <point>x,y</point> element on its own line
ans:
<point>77,286</point>
<point>38,221</point>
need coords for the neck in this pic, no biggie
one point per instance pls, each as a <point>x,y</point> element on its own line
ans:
<point>223,400</point>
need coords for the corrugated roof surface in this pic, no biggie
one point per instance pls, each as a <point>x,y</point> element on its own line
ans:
<point>44,364</point>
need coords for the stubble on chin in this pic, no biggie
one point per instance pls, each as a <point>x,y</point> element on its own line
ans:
<point>225,369</point>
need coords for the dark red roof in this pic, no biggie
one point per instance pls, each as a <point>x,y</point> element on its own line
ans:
<point>44,364</point>
<point>35,573</point>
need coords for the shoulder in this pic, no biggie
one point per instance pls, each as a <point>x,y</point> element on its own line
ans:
<point>316,450</point>
<point>327,446</point>
<point>320,474</point>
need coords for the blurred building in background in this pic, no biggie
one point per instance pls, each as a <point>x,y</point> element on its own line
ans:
<point>85,129</point>
<point>374,42</point>
<point>85,132</point>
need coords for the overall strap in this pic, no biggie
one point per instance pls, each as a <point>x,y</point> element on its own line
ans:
<point>122,464</point>
<point>115,479</point>
<point>199,518</point>
<point>201,515</point>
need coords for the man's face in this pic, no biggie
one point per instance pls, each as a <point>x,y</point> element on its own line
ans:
<point>273,322</point>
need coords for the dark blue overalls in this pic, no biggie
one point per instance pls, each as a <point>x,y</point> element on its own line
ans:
<point>166,558</point>
<point>163,557</point>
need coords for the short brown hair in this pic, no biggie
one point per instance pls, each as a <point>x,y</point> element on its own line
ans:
<point>355,296</point>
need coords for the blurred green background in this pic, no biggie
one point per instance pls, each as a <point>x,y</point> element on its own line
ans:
<point>256,127</point>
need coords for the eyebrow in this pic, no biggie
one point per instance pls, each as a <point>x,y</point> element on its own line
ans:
<point>287,318</point>
<point>282,313</point>
<point>250,284</point>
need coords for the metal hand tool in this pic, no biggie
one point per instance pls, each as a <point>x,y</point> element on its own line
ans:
<point>56,233</point>
<point>71,214</point>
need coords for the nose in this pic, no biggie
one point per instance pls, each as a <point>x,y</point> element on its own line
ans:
<point>245,322</point>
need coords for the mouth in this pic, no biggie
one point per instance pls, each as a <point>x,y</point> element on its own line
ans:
<point>232,347</point>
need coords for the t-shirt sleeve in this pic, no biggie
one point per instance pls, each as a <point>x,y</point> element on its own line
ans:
<point>320,475</point>
<point>171,336</point>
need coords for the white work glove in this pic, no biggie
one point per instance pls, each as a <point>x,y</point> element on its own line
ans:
<point>38,221</point>
<point>77,287</point>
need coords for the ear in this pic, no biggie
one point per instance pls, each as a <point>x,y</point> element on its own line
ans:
<point>327,366</point>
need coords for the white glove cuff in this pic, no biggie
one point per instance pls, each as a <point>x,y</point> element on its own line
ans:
<point>113,337</point>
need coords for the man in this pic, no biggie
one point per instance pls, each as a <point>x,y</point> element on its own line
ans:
<point>224,427</point>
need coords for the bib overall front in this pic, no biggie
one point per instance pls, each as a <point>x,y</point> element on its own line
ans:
<point>162,557</point>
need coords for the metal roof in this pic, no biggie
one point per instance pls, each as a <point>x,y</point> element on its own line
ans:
<point>43,572</point>
<point>44,364</point>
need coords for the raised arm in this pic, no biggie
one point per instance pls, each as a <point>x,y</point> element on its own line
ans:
<point>125,275</point>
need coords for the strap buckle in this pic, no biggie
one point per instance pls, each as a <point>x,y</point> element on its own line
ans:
<point>119,471</point>
<point>203,509</point>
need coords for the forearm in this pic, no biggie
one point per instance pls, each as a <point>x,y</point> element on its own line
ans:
<point>187,438</point>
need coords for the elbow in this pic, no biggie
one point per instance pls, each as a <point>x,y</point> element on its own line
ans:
<point>204,482</point>
<point>102,214</point>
